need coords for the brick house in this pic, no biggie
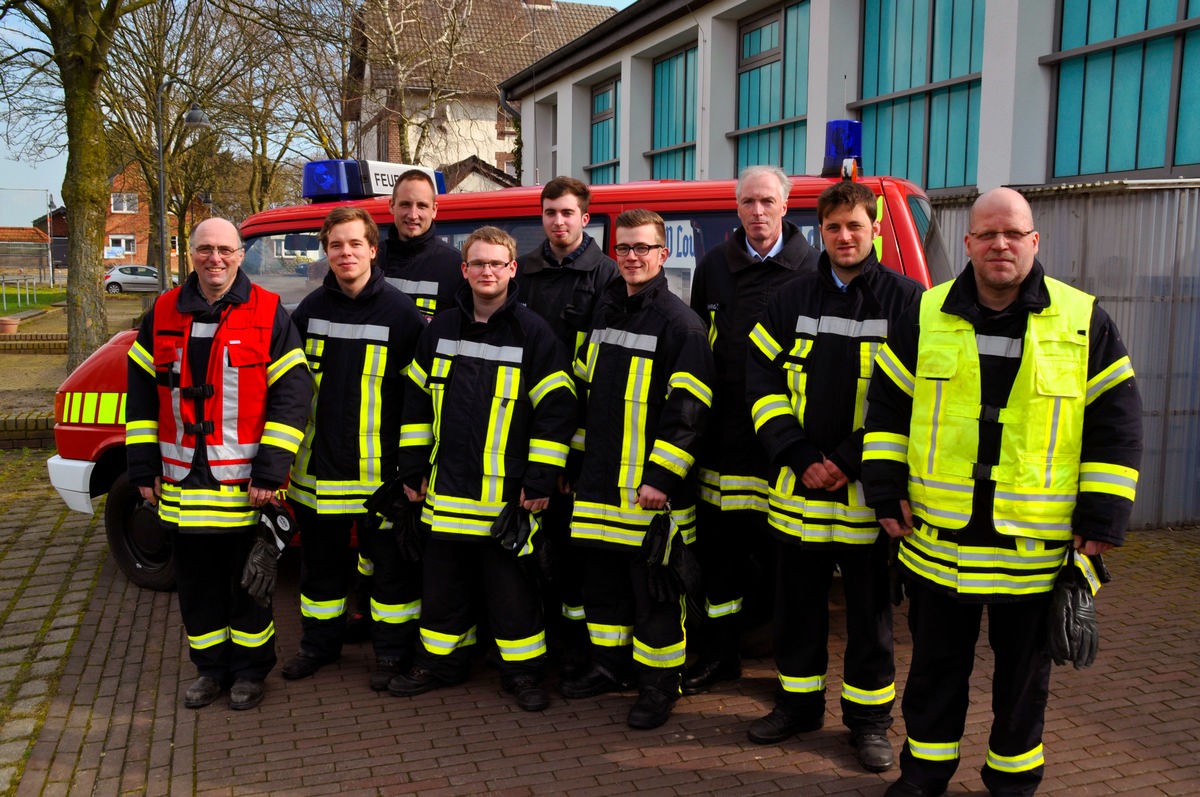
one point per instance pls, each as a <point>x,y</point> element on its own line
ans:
<point>23,249</point>
<point>127,226</point>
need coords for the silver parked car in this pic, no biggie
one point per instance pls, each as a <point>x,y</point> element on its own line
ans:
<point>133,278</point>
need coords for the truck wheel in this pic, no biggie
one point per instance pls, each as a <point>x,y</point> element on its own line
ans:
<point>139,543</point>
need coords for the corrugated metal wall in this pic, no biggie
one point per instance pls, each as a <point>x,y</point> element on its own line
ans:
<point>1137,249</point>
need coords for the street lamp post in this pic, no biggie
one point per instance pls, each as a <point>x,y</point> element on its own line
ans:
<point>193,120</point>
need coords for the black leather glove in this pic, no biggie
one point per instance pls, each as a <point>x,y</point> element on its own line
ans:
<point>389,503</point>
<point>513,528</point>
<point>895,572</point>
<point>1072,632</point>
<point>275,530</point>
<point>669,565</point>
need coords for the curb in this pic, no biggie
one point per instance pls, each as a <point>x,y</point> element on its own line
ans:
<point>27,430</point>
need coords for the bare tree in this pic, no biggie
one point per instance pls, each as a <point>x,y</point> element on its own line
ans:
<point>53,57</point>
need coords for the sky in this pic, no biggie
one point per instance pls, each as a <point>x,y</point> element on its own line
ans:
<point>48,175</point>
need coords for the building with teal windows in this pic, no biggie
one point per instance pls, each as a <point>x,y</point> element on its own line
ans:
<point>1090,107</point>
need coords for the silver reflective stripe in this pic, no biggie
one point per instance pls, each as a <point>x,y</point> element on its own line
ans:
<point>372,411</point>
<point>1054,420</point>
<point>413,287</point>
<point>229,404</point>
<point>937,408</point>
<point>993,346</point>
<point>200,330</point>
<point>636,431</point>
<point>847,327</point>
<point>481,351</point>
<point>332,329</point>
<point>626,340</point>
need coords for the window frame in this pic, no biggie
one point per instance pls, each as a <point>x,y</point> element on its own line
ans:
<point>689,107</point>
<point>612,84</point>
<point>123,238</point>
<point>124,201</point>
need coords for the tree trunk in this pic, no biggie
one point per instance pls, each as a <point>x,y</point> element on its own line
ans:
<point>86,195</point>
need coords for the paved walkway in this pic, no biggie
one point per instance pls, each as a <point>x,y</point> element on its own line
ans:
<point>96,668</point>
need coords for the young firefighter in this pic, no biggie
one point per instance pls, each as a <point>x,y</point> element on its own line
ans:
<point>490,395</point>
<point>359,334</point>
<point>647,368</point>
<point>811,358</point>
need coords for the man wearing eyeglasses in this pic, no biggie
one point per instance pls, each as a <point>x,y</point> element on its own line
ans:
<point>217,402</point>
<point>1004,428</point>
<point>488,416</point>
<point>730,290</point>
<point>646,372</point>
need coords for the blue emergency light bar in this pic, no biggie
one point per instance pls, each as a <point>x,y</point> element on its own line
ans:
<point>338,180</point>
<point>843,141</point>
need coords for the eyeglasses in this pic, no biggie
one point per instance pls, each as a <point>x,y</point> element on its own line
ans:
<point>480,265</point>
<point>641,250</point>
<point>224,251</point>
<point>988,236</point>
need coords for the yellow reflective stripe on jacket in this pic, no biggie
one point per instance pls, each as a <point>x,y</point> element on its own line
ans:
<point>416,434</point>
<point>1037,476</point>
<point>689,382</point>
<point>522,649</point>
<point>142,358</point>
<point>763,341</point>
<point>365,566</point>
<point>727,609</point>
<point>732,493</point>
<point>712,329</point>
<point>772,405</point>
<point>417,374</point>
<point>821,521</point>
<point>885,446</point>
<point>225,507</point>
<point>141,432</point>
<point>890,365</point>
<point>555,381</point>
<point>370,413</point>
<point>203,641</point>
<point>508,385</point>
<point>1029,567</point>
<point>1109,378</point>
<point>440,644</point>
<point>282,436</point>
<point>804,685</point>
<point>610,636</point>
<point>321,610</point>
<point>395,613</point>
<point>252,639</point>
<point>1016,763</point>
<point>1101,477</point>
<point>869,697</point>
<point>451,514</point>
<point>633,444</point>
<point>668,657</point>
<point>672,457</point>
<point>548,452</point>
<point>932,751</point>
<point>287,362</point>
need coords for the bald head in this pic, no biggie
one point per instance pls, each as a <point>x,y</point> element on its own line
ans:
<point>1001,244</point>
<point>216,256</point>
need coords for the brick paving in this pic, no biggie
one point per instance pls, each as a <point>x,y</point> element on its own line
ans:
<point>112,723</point>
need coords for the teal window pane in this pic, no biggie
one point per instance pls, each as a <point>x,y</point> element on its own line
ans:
<point>606,175</point>
<point>939,109</point>
<point>795,139</point>
<point>1097,88</point>
<point>689,131</point>
<point>602,141</point>
<point>972,140</point>
<point>898,141</point>
<point>760,40</point>
<point>1131,17</point>
<point>957,129</point>
<point>602,102</point>
<point>943,26</point>
<point>1102,21</point>
<point>795,60</point>
<point>915,162</point>
<point>870,78</point>
<point>1193,8</point>
<point>920,46</point>
<point>1162,12</point>
<point>883,150</point>
<point>1187,131</point>
<point>1156,99</point>
<point>1074,24</point>
<point>961,38</point>
<point>902,68</point>
<point>1070,117</point>
<point>977,12</point>
<point>869,135</point>
<point>1126,97</point>
<point>887,47</point>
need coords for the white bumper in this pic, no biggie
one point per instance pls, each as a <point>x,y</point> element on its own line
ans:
<point>72,478</point>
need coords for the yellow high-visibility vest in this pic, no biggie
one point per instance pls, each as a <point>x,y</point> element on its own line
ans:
<point>1037,478</point>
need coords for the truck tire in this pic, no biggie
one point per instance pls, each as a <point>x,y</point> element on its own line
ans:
<point>139,543</point>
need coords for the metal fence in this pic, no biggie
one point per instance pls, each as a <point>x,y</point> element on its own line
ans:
<point>1136,246</point>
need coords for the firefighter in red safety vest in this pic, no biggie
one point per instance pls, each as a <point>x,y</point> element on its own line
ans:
<point>218,398</point>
